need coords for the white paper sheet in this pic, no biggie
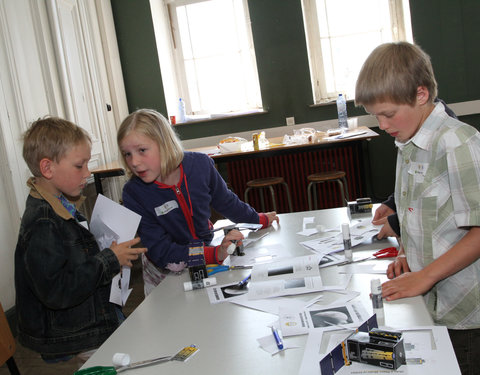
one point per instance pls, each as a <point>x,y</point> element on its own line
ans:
<point>112,222</point>
<point>285,277</point>
<point>309,227</point>
<point>226,292</point>
<point>302,322</point>
<point>269,344</point>
<point>255,254</point>
<point>332,241</point>
<point>373,268</point>
<point>270,305</point>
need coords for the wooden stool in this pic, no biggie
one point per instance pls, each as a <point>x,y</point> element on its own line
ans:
<point>7,344</point>
<point>317,178</point>
<point>268,182</point>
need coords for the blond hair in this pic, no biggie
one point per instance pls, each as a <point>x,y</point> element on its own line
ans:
<point>393,72</point>
<point>50,138</point>
<point>154,126</point>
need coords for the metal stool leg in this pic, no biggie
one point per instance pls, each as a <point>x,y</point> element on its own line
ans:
<point>272,193</point>
<point>262,201</point>
<point>315,200</point>
<point>340,184</point>
<point>12,366</point>
<point>246,194</point>
<point>287,190</point>
<point>309,195</point>
<point>347,196</point>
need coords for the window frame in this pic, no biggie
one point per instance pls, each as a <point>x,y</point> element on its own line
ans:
<point>179,68</point>
<point>400,31</point>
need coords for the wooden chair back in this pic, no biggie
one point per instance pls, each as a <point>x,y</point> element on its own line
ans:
<point>7,341</point>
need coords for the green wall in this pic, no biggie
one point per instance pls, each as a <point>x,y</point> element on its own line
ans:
<point>446,29</point>
<point>138,55</point>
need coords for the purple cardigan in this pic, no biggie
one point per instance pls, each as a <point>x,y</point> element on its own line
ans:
<point>164,227</point>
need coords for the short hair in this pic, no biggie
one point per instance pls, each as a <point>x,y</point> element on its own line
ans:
<point>153,125</point>
<point>50,137</point>
<point>393,72</point>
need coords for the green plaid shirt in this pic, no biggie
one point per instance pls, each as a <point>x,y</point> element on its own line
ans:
<point>437,194</point>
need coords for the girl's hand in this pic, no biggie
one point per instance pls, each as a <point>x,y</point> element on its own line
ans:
<point>125,253</point>
<point>232,237</point>
<point>272,216</point>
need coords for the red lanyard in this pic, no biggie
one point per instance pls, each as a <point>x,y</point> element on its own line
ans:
<point>187,211</point>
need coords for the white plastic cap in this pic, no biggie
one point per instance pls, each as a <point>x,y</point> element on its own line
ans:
<point>210,281</point>
<point>231,248</point>
<point>121,359</point>
<point>187,286</point>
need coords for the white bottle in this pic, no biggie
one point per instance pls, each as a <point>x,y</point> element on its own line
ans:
<point>342,112</point>
<point>199,284</point>
<point>181,110</point>
<point>347,242</point>
<point>377,301</point>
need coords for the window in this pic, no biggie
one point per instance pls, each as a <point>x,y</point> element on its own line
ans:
<point>208,59</point>
<point>342,33</point>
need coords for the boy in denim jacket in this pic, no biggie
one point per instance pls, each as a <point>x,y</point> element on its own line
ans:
<point>62,279</point>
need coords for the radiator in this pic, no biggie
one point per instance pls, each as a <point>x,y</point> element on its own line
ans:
<point>295,167</point>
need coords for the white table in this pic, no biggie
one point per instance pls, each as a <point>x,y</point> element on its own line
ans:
<point>169,318</point>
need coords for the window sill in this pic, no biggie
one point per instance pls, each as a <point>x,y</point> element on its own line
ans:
<point>324,104</point>
<point>220,116</point>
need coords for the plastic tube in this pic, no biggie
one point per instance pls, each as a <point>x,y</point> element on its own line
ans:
<point>347,242</point>
<point>199,284</point>
<point>377,301</point>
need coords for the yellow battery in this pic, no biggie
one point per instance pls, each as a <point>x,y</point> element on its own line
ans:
<point>255,138</point>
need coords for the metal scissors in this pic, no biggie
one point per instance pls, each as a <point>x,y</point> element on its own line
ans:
<point>389,252</point>
<point>212,269</point>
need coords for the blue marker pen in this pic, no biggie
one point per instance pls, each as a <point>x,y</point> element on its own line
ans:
<point>244,281</point>
<point>278,338</point>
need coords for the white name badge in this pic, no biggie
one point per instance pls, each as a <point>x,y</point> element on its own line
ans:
<point>166,208</point>
<point>418,170</point>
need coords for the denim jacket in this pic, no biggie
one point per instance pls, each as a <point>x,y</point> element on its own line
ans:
<point>62,280</point>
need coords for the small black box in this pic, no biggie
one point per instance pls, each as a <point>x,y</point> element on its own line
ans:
<point>378,348</point>
<point>360,206</point>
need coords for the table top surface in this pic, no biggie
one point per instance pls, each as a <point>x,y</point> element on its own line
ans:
<point>114,166</point>
<point>276,144</point>
<point>226,334</point>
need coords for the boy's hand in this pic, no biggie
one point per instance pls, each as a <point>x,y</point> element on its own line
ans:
<point>381,214</point>
<point>398,267</point>
<point>409,284</point>
<point>125,253</point>
<point>233,235</point>
<point>381,218</point>
<point>386,231</point>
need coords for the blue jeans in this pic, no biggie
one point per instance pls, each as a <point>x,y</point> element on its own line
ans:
<point>466,344</point>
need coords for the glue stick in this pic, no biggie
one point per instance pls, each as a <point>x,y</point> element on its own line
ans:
<point>199,284</point>
<point>347,243</point>
<point>377,301</point>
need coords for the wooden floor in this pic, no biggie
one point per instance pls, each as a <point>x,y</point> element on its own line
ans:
<point>30,363</point>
